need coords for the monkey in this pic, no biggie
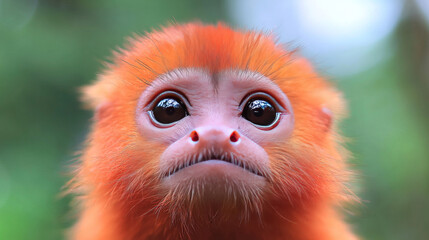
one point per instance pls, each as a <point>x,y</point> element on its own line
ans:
<point>205,132</point>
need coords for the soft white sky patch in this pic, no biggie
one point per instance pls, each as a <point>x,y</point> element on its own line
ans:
<point>339,35</point>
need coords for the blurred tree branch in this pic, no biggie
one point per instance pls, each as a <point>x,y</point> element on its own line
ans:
<point>413,44</point>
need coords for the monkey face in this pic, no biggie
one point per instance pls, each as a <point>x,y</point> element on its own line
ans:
<point>215,128</point>
<point>194,137</point>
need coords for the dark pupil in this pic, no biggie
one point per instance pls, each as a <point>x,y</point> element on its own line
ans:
<point>169,110</point>
<point>259,112</point>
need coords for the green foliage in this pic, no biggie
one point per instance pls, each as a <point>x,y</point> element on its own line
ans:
<point>389,143</point>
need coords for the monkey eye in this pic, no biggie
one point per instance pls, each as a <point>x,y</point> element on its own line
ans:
<point>260,110</point>
<point>168,109</point>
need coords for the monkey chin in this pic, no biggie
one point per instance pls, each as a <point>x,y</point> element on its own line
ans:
<point>221,187</point>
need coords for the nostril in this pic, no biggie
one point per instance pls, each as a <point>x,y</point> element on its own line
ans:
<point>194,136</point>
<point>234,137</point>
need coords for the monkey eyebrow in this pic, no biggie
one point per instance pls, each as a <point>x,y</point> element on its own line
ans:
<point>214,77</point>
<point>179,73</point>
<point>177,77</point>
<point>178,80</point>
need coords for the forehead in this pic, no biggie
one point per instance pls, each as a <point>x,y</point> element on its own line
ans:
<point>215,48</point>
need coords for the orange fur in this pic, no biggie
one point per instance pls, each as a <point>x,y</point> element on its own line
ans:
<point>117,177</point>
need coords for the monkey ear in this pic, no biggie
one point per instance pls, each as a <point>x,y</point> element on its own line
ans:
<point>325,118</point>
<point>331,110</point>
<point>96,96</point>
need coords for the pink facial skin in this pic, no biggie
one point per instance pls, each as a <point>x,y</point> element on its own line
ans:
<point>214,143</point>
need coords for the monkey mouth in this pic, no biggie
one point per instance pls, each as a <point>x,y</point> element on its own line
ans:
<point>208,157</point>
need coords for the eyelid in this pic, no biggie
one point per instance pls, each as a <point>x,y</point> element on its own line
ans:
<point>165,94</point>
<point>264,96</point>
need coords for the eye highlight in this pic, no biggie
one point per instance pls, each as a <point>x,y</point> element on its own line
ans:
<point>261,110</point>
<point>168,108</point>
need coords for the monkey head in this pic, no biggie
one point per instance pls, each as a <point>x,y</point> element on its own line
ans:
<point>199,123</point>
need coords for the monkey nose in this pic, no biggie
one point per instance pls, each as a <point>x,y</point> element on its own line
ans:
<point>214,135</point>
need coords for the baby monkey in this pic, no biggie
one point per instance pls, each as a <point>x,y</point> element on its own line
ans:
<point>203,132</point>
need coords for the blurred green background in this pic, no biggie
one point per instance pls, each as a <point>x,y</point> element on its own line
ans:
<point>49,48</point>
